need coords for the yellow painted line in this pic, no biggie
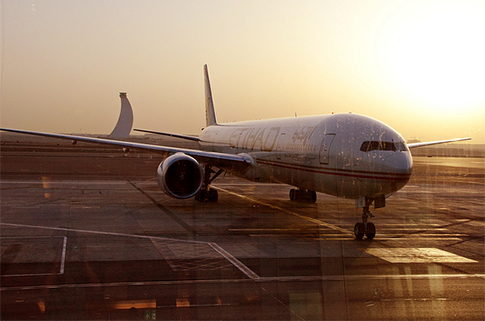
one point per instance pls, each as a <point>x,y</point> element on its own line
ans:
<point>318,222</point>
<point>417,255</point>
<point>262,229</point>
<point>443,234</point>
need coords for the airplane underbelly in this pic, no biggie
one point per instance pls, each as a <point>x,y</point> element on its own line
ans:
<point>357,185</point>
<point>304,176</point>
<point>338,182</point>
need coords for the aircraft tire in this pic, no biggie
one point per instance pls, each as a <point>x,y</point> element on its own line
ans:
<point>359,230</point>
<point>371,231</point>
<point>210,195</point>
<point>213,195</point>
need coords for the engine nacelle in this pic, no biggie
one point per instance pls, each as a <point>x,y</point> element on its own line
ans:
<point>180,176</point>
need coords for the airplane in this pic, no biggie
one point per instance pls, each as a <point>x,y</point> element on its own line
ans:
<point>345,155</point>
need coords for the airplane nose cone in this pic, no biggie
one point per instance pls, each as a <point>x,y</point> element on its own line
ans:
<point>400,164</point>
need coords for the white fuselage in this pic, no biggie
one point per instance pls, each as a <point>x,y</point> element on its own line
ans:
<point>345,155</point>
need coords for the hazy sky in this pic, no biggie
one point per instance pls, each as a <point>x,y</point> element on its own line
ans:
<point>418,66</point>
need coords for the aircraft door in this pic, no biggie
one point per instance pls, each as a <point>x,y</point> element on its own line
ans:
<point>280,143</point>
<point>325,148</point>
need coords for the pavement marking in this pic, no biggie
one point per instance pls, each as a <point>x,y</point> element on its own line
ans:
<point>241,266</point>
<point>97,232</point>
<point>238,264</point>
<point>61,263</point>
<point>260,280</point>
<point>394,237</point>
<point>348,234</point>
<point>189,256</point>
<point>417,255</point>
<point>318,222</point>
<point>63,182</point>
<point>263,229</point>
<point>63,257</point>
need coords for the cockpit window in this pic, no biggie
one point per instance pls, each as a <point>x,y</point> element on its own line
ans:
<point>401,146</point>
<point>369,146</point>
<point>365,146</point>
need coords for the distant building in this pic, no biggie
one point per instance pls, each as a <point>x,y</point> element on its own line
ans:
<point>125,121</point>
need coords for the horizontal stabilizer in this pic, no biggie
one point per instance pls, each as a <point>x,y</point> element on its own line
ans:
<point>414,145</point>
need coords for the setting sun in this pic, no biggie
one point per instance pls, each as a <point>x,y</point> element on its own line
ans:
<point>439,59</point>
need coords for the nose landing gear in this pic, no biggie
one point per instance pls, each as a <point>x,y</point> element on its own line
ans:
<point>303,195</point>
<point>365,228</point>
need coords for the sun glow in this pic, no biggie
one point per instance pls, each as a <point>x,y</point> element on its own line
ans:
<point>439,60</point>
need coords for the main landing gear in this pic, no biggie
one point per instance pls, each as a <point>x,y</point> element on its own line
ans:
<point>365,228</point>
<point>206,193</point>
<point>303,195</point>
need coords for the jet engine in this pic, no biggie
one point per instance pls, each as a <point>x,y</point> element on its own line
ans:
<point>180,176</point>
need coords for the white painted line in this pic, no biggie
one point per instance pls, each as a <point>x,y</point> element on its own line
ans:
<point>28,275</point>
<point>63,257</point>
<point>238,264</point>
<point>260,280</point>
<point>97,232</point>
<point>28,237</point>
<point>64,182</point>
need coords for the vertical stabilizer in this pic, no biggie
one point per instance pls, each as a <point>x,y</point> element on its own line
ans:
<point>125,121</point>
<point>210,115</point>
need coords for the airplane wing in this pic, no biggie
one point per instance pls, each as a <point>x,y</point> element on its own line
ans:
<point>414,145</point>
<point>168,134</point>
<point>227,161</point>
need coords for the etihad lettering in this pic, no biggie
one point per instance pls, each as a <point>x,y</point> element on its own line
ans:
<point>263,139</point>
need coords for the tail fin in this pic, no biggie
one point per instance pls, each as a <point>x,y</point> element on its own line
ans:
<point>210,115</point>
<point>125,121</point>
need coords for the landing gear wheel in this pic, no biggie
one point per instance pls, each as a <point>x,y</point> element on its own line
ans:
<point>302,195</point>
<point>359,230</point>
<point>212,196</point>
<point>209,195</point>
<point>365,228</point>
<point>371,231</point>
<point>206,193</point>
<point>200,196</point>
<point>313,196</point>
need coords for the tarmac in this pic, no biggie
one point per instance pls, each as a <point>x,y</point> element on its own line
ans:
<point>87,234</point>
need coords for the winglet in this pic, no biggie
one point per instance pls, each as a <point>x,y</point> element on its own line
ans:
<point>125,121</point>
<point>210,115</point>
